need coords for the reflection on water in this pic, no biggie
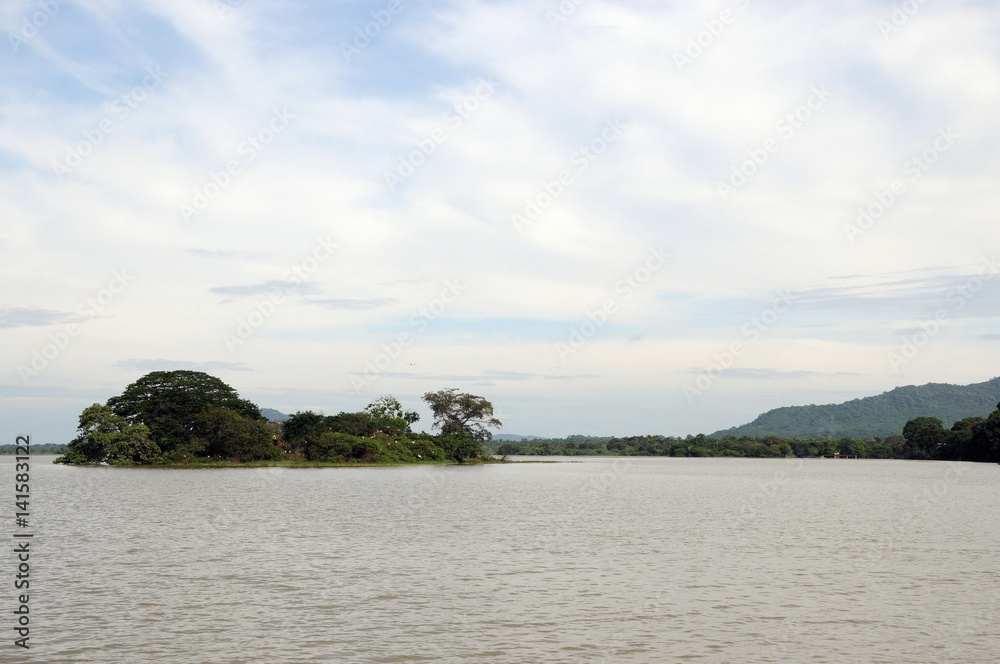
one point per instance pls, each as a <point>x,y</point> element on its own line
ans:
<point>598,560</point>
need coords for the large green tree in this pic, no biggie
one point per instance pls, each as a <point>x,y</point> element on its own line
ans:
<point>960,439</point>
<point>389,415</point>
<point>169,402</point>
<point>985,442</point>
<point>463,420</point>
<point>104,437</point>
<point>224,433</point>
<point>303,429</point>
<point>354,424</point>
<point>924,436</point>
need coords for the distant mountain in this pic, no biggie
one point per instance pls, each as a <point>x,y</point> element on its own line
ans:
<point>274,415</point>
<point>879,416</point>
<point>506,437</point>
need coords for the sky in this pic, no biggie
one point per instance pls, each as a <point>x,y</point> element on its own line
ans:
<point>606,218</point>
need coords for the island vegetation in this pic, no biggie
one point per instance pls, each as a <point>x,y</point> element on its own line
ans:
<point>191,418</point>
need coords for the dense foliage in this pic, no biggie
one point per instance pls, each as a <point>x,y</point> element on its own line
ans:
<point>462,415</point>
<point>36,448</point>
<point>971,439</point>
<point>381,432</point>
<point>700,446</point>
<point>874,417</point>
<point>190,417</point>
<point>171,405</point>
<point>378,434</point>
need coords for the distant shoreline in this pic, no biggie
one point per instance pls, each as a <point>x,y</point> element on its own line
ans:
<point>37,448</point>
<point>284,463</point>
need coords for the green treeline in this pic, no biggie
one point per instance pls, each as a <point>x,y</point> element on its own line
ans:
<point>40,448</point>
<point>970,439</point>
<point>381,432</point>
<point>189,417</point>
<point>700,446</point>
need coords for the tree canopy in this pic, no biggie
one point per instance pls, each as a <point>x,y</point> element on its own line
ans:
<point>224,433</point>
<point>924,435</point>
<point>388,412</point>
<point>191,417</point>
<point>379,433</point>
<point>460,414</point>
<point>104,437</point>
<point>169,402</point>
<point>971,439</point>
<point>463,420</point>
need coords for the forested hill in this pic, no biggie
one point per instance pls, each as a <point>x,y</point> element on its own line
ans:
<point>274,415</point>
<point>879,416</point>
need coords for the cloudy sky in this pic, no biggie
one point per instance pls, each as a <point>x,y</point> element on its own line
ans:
<point>625,217</point>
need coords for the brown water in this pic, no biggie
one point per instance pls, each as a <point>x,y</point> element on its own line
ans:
<point>598,560</point>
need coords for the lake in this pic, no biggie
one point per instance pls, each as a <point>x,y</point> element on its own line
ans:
<point>586,560</point>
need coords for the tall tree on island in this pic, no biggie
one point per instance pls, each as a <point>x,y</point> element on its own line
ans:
<point>168,402</point>
<point>104,437</point>
<point>389,413</point>
<point>466,418</point>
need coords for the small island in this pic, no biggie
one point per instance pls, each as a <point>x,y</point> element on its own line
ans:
<point>188,418</point>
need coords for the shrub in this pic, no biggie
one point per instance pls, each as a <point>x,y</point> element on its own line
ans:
<point>331,446</point>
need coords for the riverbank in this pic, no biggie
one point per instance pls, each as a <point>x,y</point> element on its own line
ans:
<point>288,463</point>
